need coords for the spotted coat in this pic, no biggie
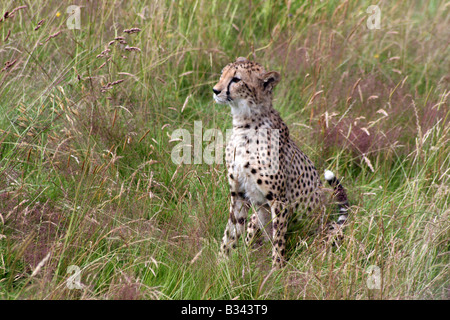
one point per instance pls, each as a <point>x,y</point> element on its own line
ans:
<point>265,167</point>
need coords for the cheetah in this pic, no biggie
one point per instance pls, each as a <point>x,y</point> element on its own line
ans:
<point>266,169</point>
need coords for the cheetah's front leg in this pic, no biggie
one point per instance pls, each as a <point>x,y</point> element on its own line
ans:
<point>235,226</point>
<point>260,224</point>
<point>279,224</point>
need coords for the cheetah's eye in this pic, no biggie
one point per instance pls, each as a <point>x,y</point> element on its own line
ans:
<point>235,79</point>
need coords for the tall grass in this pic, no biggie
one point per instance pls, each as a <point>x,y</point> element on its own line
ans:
<point>86,119</point>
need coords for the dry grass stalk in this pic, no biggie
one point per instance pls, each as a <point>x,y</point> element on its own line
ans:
<point>40,23</point>
<point>132,30</point>
<point>128,48</point>
<point>104,53</point>
<point>17,9</point>
<point>53,35</point>
<point>40,265</point>
<point>103,64</point>
<point>7,36</point>
<point>110,85</point>
<point>11,14</point>
<point>9,64</point>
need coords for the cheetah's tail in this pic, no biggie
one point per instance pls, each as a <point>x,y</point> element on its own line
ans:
<point>340,194</point>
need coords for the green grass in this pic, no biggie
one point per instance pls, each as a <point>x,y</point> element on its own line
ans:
<point>86,176</point>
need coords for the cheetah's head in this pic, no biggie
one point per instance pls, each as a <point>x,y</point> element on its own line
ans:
<point>245,86</point>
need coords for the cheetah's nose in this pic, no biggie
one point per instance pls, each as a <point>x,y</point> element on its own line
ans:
<point>216,91</point>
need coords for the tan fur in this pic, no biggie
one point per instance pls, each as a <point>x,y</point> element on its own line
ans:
<point>276,181</point>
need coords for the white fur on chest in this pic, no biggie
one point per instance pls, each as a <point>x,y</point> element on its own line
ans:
<point>240,166</point>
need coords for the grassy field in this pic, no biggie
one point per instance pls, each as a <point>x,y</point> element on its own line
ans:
<point>92,207</point>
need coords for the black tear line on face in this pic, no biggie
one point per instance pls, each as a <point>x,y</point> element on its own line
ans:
<point>233,80</point>
<point>228,89</point>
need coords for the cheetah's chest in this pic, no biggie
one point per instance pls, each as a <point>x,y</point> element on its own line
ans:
<point>242,158</point>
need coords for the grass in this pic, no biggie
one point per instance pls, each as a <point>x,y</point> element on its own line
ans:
<point>86,177</point>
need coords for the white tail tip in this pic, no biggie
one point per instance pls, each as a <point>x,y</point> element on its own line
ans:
<point>329,175</point>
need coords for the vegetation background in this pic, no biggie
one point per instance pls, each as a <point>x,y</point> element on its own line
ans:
<point>86,177</point>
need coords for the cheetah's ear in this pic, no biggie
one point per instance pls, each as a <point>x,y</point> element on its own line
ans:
<point>270,80</point>
<point>241,59</point>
